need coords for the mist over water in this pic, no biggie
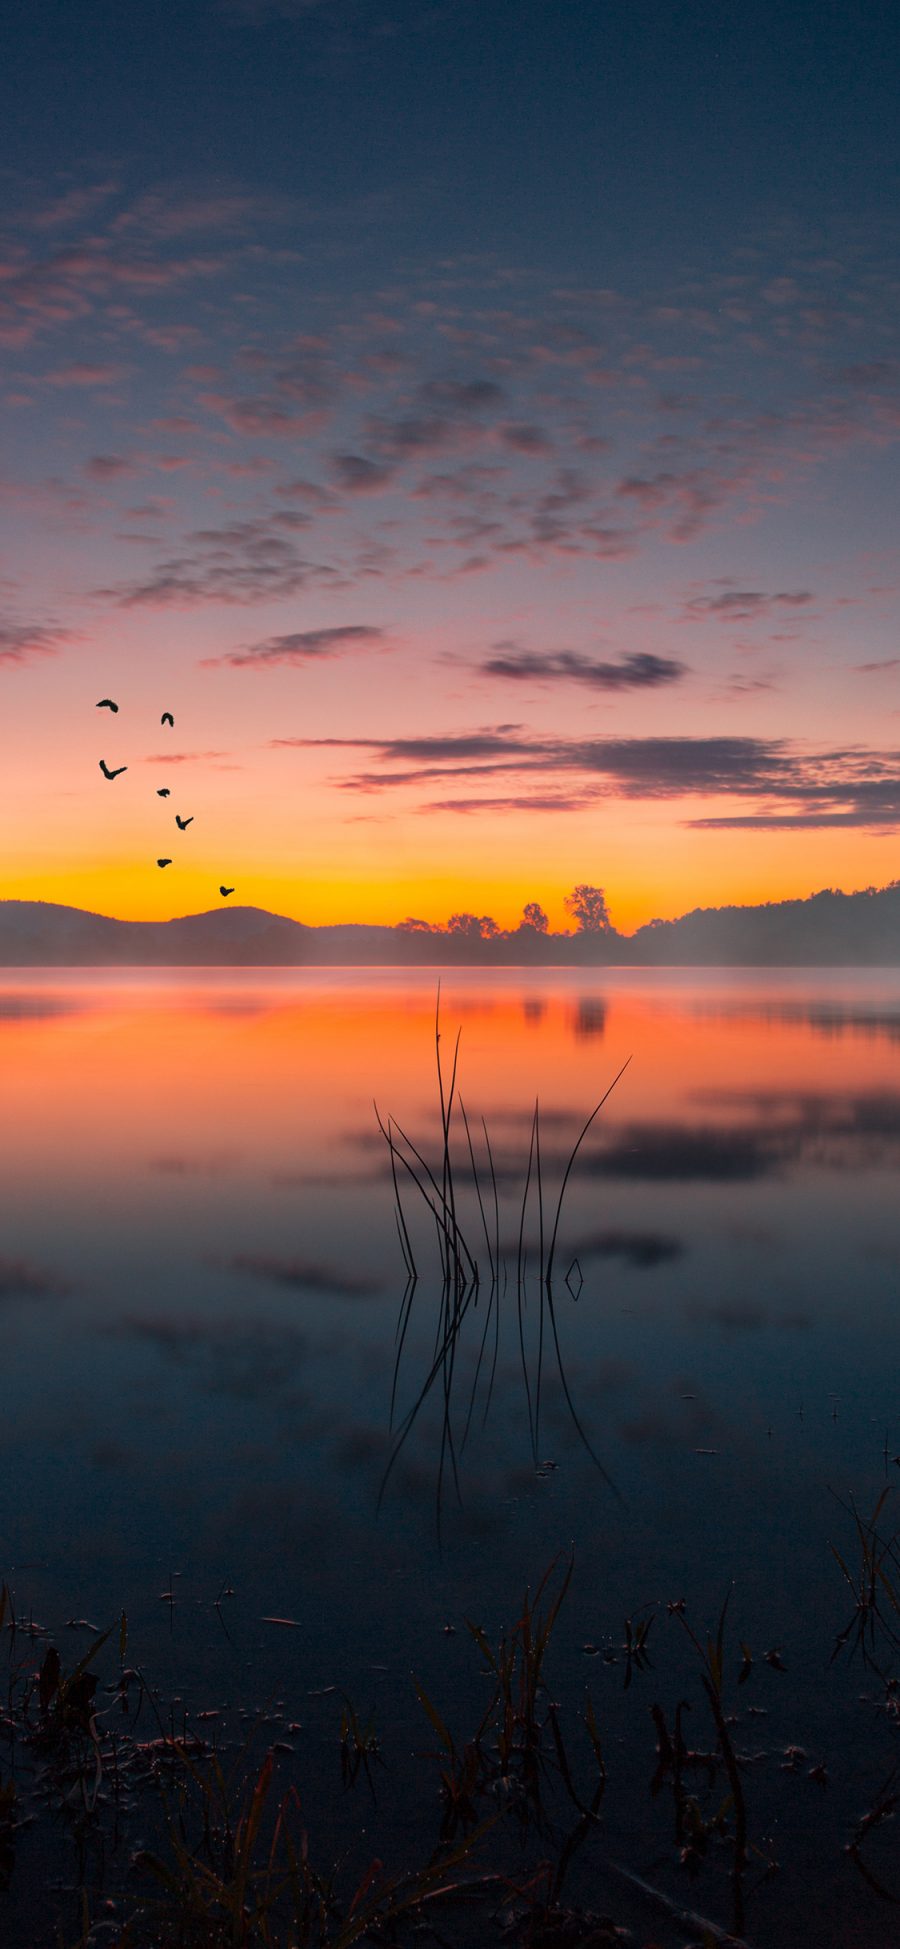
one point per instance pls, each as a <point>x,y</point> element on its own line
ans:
<point>200,1281</point>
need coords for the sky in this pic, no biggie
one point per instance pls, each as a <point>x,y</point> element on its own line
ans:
<point>477,422</point>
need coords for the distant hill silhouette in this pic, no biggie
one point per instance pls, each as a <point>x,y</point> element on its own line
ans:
<point>828,929</point>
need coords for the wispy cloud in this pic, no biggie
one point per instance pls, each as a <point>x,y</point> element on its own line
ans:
<point>182,757</point>
<point>509,802</point>
<point>264,416</point>
<point>20,643</point>
<point>242,562</point>
<point>108,466</point>
<point>880,812</point>
<point>792,785</point>
<point>74,205</point>
<point>82,373</point>
<point>354,473</point>
<point>462,395</point>
<point>640,670</point>
<point>179,210</point>
<point>126,254</point>
<point>659,767</point>
<point>301,646</point>
<point>746,605</point>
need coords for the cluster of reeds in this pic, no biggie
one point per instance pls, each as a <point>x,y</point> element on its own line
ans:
<point>725,1820</point>
<point>873,1630</point>
<point>237,1872</point>
<point>457,1191</point>
<point>874,1625</point>
<point>232,1865</point>
<point>711,1820</point>
<point>53,1714</point>
<point>517,1748</point>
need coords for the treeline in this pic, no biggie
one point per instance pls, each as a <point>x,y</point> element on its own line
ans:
<point>828,929</point>
<point>586,904</point>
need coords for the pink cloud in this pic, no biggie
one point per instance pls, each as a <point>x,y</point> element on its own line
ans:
<point>73,206</point>
<point>301,647</point>
<point>20,643</point>
<point>108,466</point>
<point>82,373</point>
<point>263,417</point>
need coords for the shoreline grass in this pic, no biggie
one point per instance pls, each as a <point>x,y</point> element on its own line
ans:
<point>520,1794</point>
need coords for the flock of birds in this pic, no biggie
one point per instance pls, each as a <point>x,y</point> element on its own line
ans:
<point>162,791</point>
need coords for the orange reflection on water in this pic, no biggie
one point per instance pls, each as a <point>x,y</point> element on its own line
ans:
<point>105,1073</point>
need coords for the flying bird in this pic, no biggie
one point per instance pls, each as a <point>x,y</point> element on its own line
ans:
<point>225,891</point>
<point>167,718</point>
<point>111,774</point>
<point>182,824</point>
<point>162,792</point>
<point>106,704</point>
<point>163,862</point>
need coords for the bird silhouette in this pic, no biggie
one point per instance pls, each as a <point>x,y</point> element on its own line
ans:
<point>163,862</point>
<point>162,792</point>
<point>167,718</point>
<point>182,824</point>
<point>111,774</point>
<point>106,704</point>
<point>225,891</point>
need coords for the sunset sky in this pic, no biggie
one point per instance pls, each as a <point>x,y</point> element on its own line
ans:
<point>478,422</point>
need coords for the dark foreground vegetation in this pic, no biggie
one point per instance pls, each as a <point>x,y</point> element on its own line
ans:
<point>520,1850</point>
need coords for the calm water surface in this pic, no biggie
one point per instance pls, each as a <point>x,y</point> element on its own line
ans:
<point>200,1281</point>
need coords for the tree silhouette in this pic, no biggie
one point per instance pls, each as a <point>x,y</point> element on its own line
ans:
<point>533,916</point>
<point>587,905</point>
<point>473,927</point>
<point>413,926</point>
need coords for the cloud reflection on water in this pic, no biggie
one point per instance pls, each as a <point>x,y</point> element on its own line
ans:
<point>643,1250</point>
<point>824,1019</point>
<point>35,1006</point>
<point>301,1276</point>
<point>245,1359</point>
<point>21,1280</point>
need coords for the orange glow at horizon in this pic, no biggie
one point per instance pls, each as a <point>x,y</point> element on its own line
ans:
<point>739,869</point>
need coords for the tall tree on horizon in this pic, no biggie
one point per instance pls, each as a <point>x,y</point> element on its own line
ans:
<point>588,908</point>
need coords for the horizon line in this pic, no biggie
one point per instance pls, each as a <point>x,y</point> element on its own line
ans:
<point>436,930</point>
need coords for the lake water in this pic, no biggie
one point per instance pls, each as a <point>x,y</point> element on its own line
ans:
<point>200,1285</point>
